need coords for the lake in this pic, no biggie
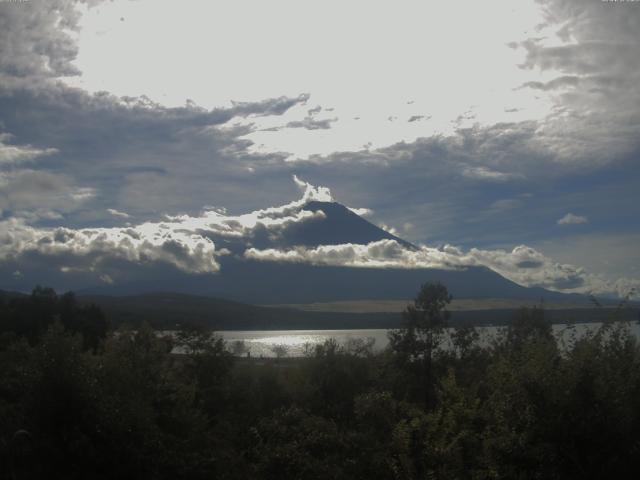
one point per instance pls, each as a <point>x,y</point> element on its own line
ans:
<point>261,343</point>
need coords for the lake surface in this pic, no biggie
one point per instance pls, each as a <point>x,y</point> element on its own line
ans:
<point>261,343</point>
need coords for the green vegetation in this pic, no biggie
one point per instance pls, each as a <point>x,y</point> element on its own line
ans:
<point>78,400</point>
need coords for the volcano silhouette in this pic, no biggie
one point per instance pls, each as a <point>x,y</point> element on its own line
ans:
<point>272,282</point>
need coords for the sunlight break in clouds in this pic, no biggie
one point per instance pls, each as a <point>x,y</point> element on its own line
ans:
<point>363,63</point>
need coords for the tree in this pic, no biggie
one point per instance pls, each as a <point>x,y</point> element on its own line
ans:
<point>416,343</point>
<point>527,325</point>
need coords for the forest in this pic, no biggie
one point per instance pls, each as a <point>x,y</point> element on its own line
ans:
<point>80,399</point>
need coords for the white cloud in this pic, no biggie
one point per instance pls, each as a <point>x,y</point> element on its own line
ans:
<point>571,219</point>
<point>388,228</point>
<point>184,241</point>
<point>523,264</point>
<point>117,213</point>
<point>91,249</point>
<point>485,173</point>
<point>363,212</point>
<point>312,193</point>
<point>16,154</point>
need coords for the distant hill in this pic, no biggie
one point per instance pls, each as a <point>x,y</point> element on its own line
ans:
<point>174,310</point>
<point>171,310</point>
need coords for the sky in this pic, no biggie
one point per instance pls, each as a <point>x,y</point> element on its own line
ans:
<point>498,133</point>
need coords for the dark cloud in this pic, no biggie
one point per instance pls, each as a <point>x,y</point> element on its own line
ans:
<point>39,194</point>
<point>564,81</point>
<point>11,155</point>
<point>131,153</point>
<point>311,123</point>
<point>529,264</point>
<point>597,90</point>
<point>502,150</point>
<point>136,151</point>
<point>276,106</point>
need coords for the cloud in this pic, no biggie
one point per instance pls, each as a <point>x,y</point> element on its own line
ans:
<point>193,244</point>
<point>363,212</point>
<point>571,219</point>
<point>90,249</point>
<point>128,151</point>
<point>135,152</point>
<point>484,173</point>
<point>117,213</point>
<point>138,155</point>
<point>565,81</point>
<point>190,244</point>
<point>17,154</point>
<point>33,193</point>
<point>273,106</point>
<point>311,123</point>
<point>523,264</point>
<point>35,40</point>
<point>311,193</point>
<point>592,48</point>
<point>103,254</point>
<point>390,229</point>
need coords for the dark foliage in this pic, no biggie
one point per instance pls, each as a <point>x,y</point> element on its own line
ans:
<point>79,402</point>
<point>31,316</point>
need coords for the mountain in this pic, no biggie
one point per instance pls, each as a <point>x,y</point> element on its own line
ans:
<point>339,226</point>
<point>258,282</point>
<point>270,282</point>
<point>335,226</point>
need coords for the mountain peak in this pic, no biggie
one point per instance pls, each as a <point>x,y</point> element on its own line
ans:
<point>338,225</point>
